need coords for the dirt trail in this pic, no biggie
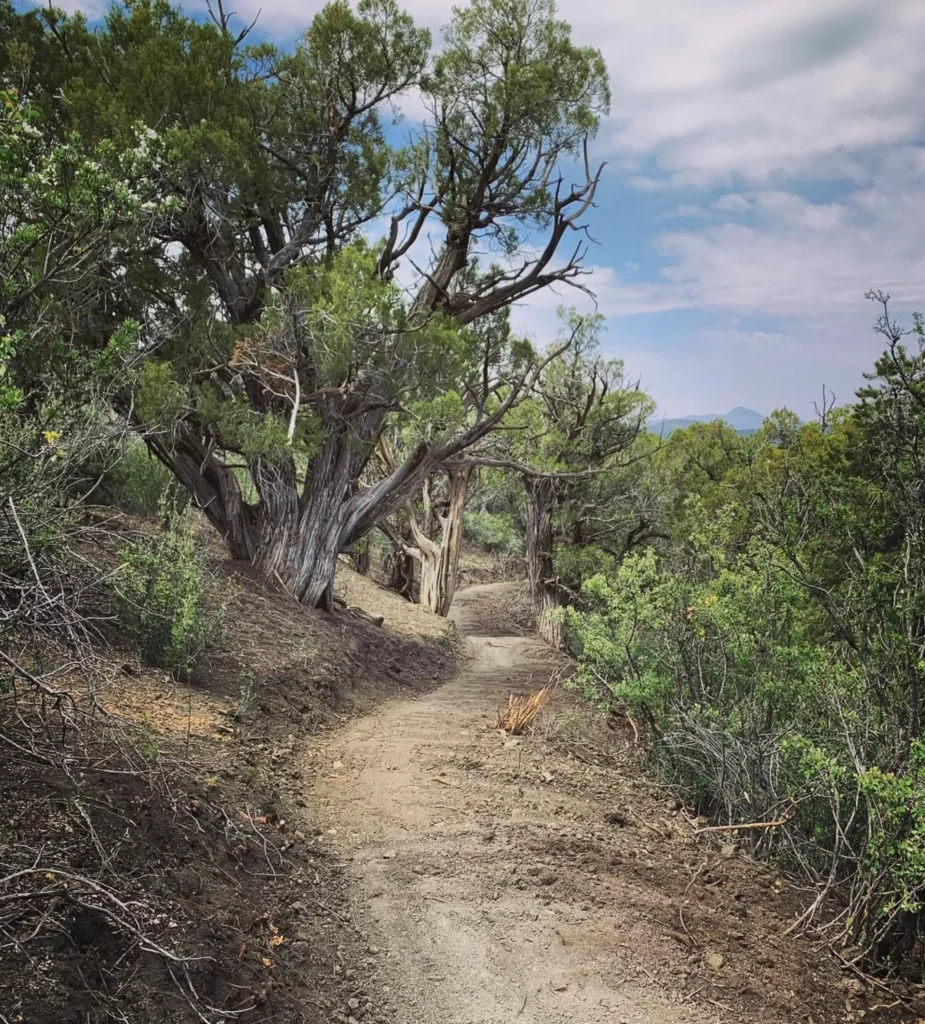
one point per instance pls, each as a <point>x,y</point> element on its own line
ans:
<point>488,877</point>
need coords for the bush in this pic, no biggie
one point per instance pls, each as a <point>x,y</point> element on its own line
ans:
<point>495,531</point>
<point>163,591</point>
<point>757,716</point>
<point>137,482</point>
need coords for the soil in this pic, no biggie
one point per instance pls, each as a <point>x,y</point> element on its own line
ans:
<point>326,826</point>
<point>506,879</point>
<point>182,818</point>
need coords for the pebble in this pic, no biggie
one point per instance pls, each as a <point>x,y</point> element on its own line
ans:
<point>715,961</point>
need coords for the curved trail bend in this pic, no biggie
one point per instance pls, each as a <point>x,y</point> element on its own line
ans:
<point>483,867</point>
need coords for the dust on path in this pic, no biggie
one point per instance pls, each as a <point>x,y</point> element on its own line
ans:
<point>467,868</point>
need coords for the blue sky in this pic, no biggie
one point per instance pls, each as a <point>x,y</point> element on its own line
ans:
<point>766,167</point>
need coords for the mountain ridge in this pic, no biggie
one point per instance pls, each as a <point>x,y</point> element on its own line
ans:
<point>741,419</point>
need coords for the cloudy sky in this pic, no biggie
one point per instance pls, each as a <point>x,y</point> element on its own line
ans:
<point>766,167</point>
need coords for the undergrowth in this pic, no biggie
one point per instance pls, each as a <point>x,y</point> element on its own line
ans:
<point>166,595</point>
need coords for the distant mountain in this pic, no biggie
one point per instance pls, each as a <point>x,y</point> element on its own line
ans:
<point>744,421</point>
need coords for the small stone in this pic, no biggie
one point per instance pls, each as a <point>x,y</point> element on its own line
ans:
<point>548,878</point>
<point>389,855</point>
<point>715,961</point>
<point>338,764</point>
<point>353,1004</point>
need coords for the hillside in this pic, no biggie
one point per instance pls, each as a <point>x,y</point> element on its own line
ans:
<point>326,825</point>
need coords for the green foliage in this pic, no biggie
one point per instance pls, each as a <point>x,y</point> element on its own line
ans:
<point>138,482</point>
<point>166,595</point>
<point>773,642</point>
<point>495,531</point>
<point>233,188</point>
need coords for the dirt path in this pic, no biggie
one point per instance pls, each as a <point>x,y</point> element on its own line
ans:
<point>493,886</point>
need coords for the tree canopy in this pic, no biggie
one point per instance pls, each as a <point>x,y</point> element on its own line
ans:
<point>280,333</point>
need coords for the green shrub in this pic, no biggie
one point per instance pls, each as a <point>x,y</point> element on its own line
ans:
<point>137,482</point>
<point>163,591</point>
<point>495,531</point>
<point>756,715</point>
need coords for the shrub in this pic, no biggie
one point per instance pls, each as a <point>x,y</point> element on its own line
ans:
<point>757,716</point>
<point>495,531</point>
<point>137,482</point>
<point>163,591</point>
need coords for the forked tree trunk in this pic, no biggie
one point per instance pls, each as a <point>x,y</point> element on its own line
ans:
<point>440,557</point>
<point>289,536</point>
<point>295,530</point>
<point>548,595</point>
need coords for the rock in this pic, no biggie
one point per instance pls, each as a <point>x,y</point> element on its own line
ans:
<point>728,851</point>
<point>389,855</point>
<point>715,961</point>
<point>338,764</point>
<point>353,1004</point>
<point>559,987</point>
<point>856,987</point>
<point>548,878</point>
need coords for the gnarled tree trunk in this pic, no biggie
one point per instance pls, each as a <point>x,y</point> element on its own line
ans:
<point>548,594</point>
<point>440,556</point>
<point>294,535</point>
<point>400,564</point>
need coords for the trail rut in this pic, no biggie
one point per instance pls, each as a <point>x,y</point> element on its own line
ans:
<point>492,883</point>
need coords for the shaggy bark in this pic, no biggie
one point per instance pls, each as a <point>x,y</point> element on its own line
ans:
<point>548,594</point>
<point>400,565</point>
<point>439,556</point>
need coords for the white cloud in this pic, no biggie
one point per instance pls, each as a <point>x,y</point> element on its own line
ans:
<point>733,117</point>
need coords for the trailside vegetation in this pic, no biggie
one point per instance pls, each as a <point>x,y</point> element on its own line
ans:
<point>773,645</point>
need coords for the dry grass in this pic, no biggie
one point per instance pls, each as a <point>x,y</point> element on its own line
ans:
<point>522,710</point>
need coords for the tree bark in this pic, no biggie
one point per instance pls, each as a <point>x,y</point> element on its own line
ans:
<point>440,558</point>
<point>400,562</point>
<point>548,595</point>
<point>361,559</point>
<point>401,573</point>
